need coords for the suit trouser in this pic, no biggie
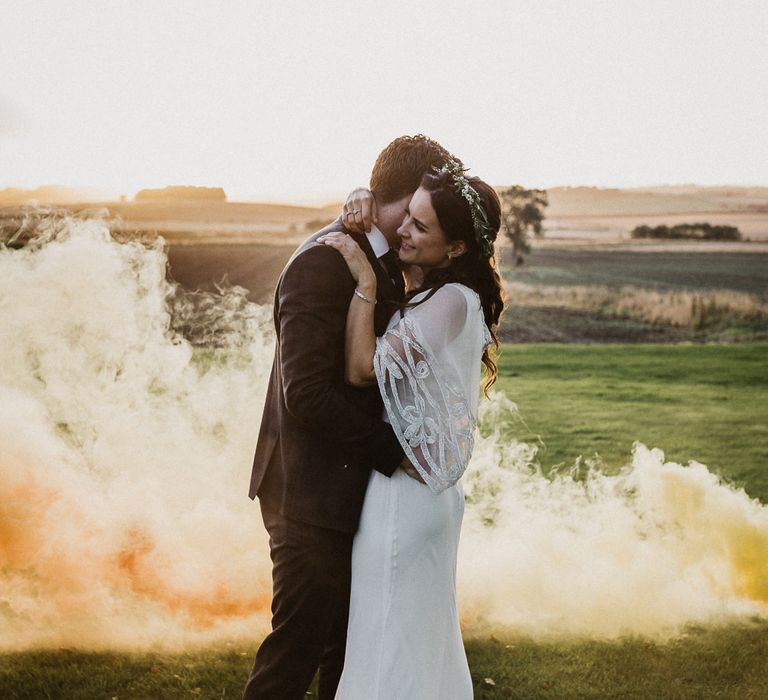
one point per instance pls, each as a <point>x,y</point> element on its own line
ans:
<point>311,573</point>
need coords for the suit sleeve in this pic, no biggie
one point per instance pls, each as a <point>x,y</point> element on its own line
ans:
<point>314,298</point>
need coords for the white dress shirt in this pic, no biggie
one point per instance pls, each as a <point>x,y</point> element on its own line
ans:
<point>378,242</point>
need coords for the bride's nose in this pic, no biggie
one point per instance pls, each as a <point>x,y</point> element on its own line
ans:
<point>402,230</point>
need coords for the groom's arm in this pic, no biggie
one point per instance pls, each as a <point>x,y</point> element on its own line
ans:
<point>314,297</point>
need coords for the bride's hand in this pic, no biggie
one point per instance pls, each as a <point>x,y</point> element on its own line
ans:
<point>410,470</point>
<point>358,264</point>
<point>359,211</point>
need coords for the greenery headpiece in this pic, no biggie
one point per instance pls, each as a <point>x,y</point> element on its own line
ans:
<point>484,233</point>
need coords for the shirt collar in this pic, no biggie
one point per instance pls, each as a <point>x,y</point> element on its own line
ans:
<point>378,242</point>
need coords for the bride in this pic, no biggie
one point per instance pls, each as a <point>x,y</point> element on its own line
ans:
<point>403,638</point>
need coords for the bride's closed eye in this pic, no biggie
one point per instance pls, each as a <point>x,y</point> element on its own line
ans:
<point>421,227</point>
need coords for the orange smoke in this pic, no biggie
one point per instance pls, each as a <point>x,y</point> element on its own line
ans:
<point>203,609</point>
<point>84,564</point>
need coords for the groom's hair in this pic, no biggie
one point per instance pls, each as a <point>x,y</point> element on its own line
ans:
<point>401,165</point>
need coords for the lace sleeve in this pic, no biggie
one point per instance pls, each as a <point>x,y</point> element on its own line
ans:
<point>425,403</point>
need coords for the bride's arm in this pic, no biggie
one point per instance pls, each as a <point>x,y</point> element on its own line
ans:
<point>360,340</point>
<point>421,365</point>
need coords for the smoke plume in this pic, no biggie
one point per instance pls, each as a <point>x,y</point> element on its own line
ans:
<point>128,416</point>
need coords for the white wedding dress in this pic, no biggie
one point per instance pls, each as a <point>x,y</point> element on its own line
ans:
<point>404,640</point>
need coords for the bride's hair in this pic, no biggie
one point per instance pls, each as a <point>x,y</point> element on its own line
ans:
<point>474,268</point>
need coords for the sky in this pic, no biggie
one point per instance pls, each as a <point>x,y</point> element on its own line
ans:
<point>293,100</point>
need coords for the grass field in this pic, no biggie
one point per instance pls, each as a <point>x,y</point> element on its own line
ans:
<point>705,403</point>
<point>695,402</point>
<point>727,663</point>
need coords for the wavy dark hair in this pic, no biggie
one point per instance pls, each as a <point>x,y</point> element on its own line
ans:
<point>473,269</point>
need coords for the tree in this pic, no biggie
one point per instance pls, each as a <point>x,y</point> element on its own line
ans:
<point>698,232</point>
<point>522,212</point>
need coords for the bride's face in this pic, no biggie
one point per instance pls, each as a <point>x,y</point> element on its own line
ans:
<point>422,239</point>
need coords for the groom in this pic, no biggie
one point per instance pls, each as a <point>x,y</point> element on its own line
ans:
<point>320,438</point>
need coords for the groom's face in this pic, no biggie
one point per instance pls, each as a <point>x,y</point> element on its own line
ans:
<point>390,216</point>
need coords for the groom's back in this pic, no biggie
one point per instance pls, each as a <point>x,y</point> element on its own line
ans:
<point>311,463</point>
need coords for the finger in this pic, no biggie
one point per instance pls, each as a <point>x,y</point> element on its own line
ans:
<point>348,206</point>
<point>353,198</point>
<point>374,212</point>
<point>416,475</point>
<point>366,218</point>
<point>354,222</point>
<point>341,242</point>
<point>331,239</point>
<point>351,205</point>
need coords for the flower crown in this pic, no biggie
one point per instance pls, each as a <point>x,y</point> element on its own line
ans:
<point>484,233</point>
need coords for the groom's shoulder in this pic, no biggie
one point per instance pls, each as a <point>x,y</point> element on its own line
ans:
<point>312,258</point>
<point>311,242</point>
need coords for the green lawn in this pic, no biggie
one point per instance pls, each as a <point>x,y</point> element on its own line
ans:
<point>707,403</point>
<point>725,663</point>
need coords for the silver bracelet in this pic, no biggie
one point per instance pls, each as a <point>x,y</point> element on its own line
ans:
<point>363,297</point>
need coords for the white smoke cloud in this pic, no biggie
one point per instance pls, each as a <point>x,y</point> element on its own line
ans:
<point>125,454</point>
<point>646,551</point>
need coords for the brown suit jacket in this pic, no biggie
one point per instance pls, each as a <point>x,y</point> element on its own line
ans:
<point>320,437</point>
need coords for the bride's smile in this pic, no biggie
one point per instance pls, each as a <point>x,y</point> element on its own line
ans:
<point>422,240</point>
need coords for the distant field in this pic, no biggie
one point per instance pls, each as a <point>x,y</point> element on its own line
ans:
<point>746,272</point>
<point>583,259</point>
<point>255,267</point>
<point>610,214</point>
<point>575,214</point>
<point>550,324</point>
<point>608,295</point>
<point>615,228</point>
<point>663,200</point>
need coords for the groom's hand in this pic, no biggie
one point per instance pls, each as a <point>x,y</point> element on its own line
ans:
<point>359,211</point>
<point>410,470</point>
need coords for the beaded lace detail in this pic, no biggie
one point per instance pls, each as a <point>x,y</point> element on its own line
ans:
<point>429,412</point>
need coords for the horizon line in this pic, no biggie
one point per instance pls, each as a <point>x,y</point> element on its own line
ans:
<point>322,199</point>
